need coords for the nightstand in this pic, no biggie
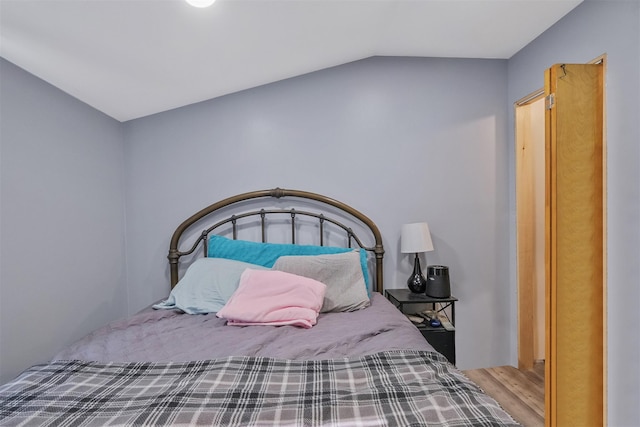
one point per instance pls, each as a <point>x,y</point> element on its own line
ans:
<point>443,340</point>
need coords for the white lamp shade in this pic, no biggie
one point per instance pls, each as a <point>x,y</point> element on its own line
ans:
<point>415,238</point>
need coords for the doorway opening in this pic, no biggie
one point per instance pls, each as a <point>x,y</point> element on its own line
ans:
<point>530,228</point>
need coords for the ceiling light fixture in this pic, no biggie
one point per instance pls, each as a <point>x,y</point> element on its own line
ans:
<point>200,3</point>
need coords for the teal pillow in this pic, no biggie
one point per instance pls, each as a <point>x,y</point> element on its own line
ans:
<point>266,254</point>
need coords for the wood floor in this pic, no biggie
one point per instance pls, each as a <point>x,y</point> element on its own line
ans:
<point>520,393</point>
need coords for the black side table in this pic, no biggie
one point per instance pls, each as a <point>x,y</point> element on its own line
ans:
<point>441,338</point>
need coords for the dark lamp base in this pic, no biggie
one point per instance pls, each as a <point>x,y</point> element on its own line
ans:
<point>416,282</point>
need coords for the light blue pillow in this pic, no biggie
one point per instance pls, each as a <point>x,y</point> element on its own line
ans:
<point>266,254</point>
<point>206,286</point>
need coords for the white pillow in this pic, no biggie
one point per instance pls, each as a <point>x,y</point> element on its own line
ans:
<point>206,286</point>
<point>342,273</point>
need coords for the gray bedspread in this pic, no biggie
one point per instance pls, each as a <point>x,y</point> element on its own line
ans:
<point>395,388</point>
<point>170,336</point>
<point>162,368</point>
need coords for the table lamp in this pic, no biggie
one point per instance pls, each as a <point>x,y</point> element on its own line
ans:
<point>415,238</point>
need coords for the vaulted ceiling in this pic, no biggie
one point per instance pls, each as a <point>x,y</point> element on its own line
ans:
<point>132,58</point>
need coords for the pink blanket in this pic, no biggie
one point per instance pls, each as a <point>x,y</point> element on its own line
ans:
<point>269,297</point>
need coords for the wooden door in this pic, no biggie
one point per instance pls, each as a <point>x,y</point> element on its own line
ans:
<point>575,270</point>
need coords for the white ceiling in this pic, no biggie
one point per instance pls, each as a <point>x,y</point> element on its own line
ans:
<point>132,58</point>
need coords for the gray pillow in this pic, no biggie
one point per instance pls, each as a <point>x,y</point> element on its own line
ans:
<point>342,273</point>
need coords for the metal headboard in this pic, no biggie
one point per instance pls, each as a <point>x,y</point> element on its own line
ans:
<point>278,193</point>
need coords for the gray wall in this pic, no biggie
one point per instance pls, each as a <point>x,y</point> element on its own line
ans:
<point>436,132</point>
<point>62,220</point>
<point>401,139</point>
<point>594,28</point>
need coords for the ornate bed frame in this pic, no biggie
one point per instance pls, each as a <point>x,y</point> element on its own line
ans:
<point>352,215</point>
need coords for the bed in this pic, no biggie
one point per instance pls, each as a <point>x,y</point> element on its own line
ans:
<point>275,317</point>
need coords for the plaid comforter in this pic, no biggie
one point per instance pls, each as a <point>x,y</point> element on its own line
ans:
<point>395,388</point>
